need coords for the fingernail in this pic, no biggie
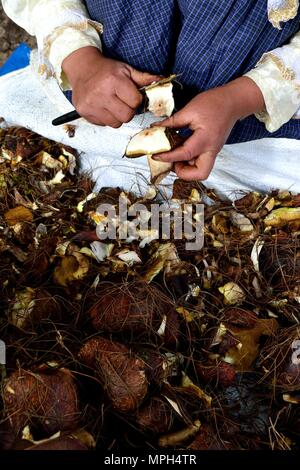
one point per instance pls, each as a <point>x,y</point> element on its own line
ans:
<point>157,159</point>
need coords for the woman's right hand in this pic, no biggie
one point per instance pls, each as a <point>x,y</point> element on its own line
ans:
<point>105,91</point>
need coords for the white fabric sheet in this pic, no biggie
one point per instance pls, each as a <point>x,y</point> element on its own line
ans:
<point>260,165</point>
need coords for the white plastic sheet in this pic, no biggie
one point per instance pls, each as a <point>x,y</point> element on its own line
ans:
<point>260,165</point>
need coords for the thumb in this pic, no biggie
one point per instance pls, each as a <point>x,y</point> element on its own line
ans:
<point>176,121</point>
<point>143,78</point>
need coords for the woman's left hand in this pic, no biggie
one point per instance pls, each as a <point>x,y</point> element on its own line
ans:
<point>211,116</point>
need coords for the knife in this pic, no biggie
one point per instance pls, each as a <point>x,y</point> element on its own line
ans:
<point>73,115</point>
<point>65,118</point>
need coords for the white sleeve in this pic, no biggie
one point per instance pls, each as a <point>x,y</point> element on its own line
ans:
<point>278,76</point>
<point>60,26</point>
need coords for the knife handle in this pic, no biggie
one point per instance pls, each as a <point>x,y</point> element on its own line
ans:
<point>65,118</point>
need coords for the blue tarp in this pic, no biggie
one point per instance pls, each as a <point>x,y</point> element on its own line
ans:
<point>18,59</point>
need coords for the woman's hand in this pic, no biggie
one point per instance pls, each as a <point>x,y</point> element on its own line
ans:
<point>211,116</point>
<point>105,91</point>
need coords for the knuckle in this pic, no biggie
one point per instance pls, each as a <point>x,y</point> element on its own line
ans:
<point>106,89</point>
<point>121,69</point>
<point>107,82</point>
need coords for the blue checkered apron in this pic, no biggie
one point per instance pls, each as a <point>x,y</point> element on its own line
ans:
<point>206,42</point>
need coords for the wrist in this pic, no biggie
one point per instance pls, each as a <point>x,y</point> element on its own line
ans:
<point>245,97</point>
<point>77,64</point>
